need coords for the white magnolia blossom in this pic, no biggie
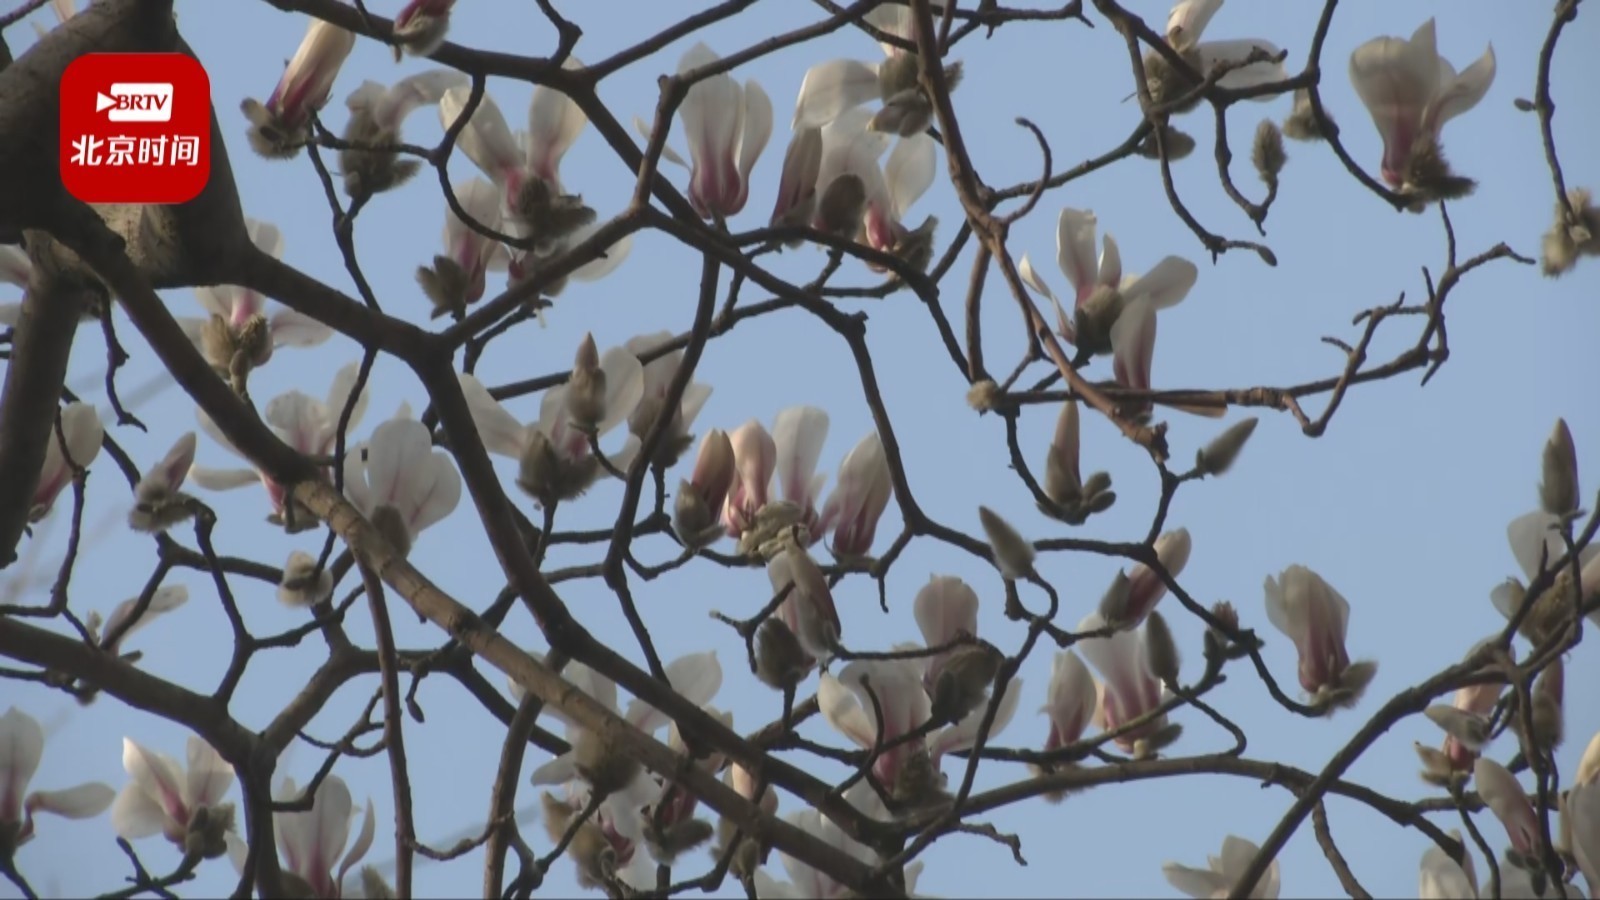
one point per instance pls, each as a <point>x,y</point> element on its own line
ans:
<point>163,796</point>
<point>727,125</point>
<point>806,883</point>
<point>310,841</point>
<point>73,444</point>
<point>239,309</point>
<point>1217,880</point>
<point>850,147</point>
<point>21,748</point>
<point>1187,22</point>
<point>1534,541</point>
<point>838,87</point>
<point>403,485</point>
<point>279,126</point>
<point>1441,878</point>
<point>860,497</point>
<point>658,375</point>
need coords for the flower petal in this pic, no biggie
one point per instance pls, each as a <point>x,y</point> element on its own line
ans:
<point>82,802</point>
<point>501,433</point>
<point>1215,53</point>
<point>757,128</point>
<point>486,140</point>
<point>294,329</point>
<point>1459,93</point>
<point>696,678</point>
<point>209,775</point>
<point>554,123</point>
<point>624,386</point>
<point>839,706</point>
<point>223,479</point>
<point>135,814</point>
<point>1075,233</point>
<point>1187,22</point>
<point>832,87</point>
<point>21,745</point>
<point>909,172</point>
<point>1164,285</point>
<point>799,433</point>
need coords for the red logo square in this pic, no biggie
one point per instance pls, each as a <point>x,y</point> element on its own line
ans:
<point>135,128</point>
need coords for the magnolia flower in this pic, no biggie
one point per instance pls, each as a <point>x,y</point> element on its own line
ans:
<point>457,279</point>
<point>310,841</point>
<point>70,446</point>
<point>158,504</point>
<point>797,183</point>
<point>403,485</point>
<point>1442,878</point>
<point>1477,702</point>
<point>850,154</point>
<point>858,500</point>
<point>594,763</point>
<point>1315,616</point>
<point>554,456</point>
<point>755,456</point>
<point>280,126</point>
<point>945,609</point>
<point>182,805</point>
<point>806,883</point>
<point>420,27</point>
<point>833,88</point>
<point>699,499</point>
<point>305,424</point>
<point>1070,700</point>
<point>376,113</point>
<point>1074,499</point>
<point>1510,804</point>
<point>239,335</point>
<point>1534,543</point>
<point>728,126</point>
<point>1145,587</point>
<point>1411,92</point>
<point>21,747</point>
<point>118,628</point>
<point>798,433</point>
<point>808,610</point>
<point>658,375</point>
<point>847,703</point>
<point>1111,313</point>
<point>1185,24</point>
<point>1218,879</point>
<point>1129,689</point>
<point>527,171</point>
<point>599,850</point>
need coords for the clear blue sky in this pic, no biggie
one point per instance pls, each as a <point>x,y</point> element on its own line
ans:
<point>1402,506</point>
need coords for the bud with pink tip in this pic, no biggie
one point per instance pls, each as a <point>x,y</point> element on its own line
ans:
<point>1145,587</point>
<point>755,456</point>
<point>695,509</point>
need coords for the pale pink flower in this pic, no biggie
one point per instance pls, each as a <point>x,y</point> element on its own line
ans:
<point>404,485</point>
<point>1129,689</point>
<point>945,608</point>
<point>727,125</point>
<point>162,796</point>
<point>755,456</point>
<point>658,375</point>
<point>420,26</point>
<point>1411,92</point>
<point>1145,587</point>
<point>859,499</point>
<point>849,147</point>
<point>1070,700</point>
<point>1509,803</point>
<point>459,277</point>
<point>239,319</point>
<point>1315,616</point>
<point>76,442</point>
<point>699,502</point>
<point>21,748</point>
<point>281,125</point>
<point>306,424</point>
<point>847,705</point>
<point>799,432</point>
<point>310,841</point>
<point>1221,872</point>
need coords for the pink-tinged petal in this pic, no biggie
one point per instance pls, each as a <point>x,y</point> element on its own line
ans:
<point>82,802</point>
<point>1075,233</point>
<point>362,844</point>
<point>295,329</point>
<point>486,140</point>
<point>159,777</point>
<point>554,123</point>
<point>755,456</point>
<point>799,433</point>
<point>298,419</point>
<point>296,838</point>
<point>944,608</point>
<point>21,745</point>
<point>218,300</point>
<point>1069,700</point>
<point>909,172</point>
<point>797,182</point>
<point>135,814</point>
<point>859,498</point>
<point>1215,53</point>
<point>344,384</point>
<point>405,96</point>
<point>1459,93</point>
<point>1145,587</point>
<point>209,775</point>
<point>500,431</point>
<point>1187,22</point>
<point>170,472</point>
<point>832,87</point>
<point>1110,262</point>
<point>1165,285</point>
<point>436,493</point>
<point>757,131</point>
<point>332,809</point>
<point>712,113</point>
<point>1509,802</point>
<point>309,77</point>
<point>1133,345</point>
<point>1396,80</point>
<point>904,704</point>
<point>696,677</point>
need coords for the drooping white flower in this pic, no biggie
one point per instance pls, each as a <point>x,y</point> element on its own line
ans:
<point>404,485</point>
<point>1186,23</point>
<point>162,796</point>
<point>310,841</point>
<point>1411,92</point>
<point>1315,616</point>
<point>21,748</point>
<point>1217,880</point>
<point>458,278</point>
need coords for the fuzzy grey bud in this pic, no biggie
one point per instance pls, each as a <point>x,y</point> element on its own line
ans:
<point>676,839</point>
<point>1267,153</point>
<point>1570,238</point>
<point>302,584</point>
<point>373,887</point>
<point>843,203</point>
<point>1161,650</point>
<point>1302,125</point>
<point>1218,456</point>
<point>1114,604</point>
<point>1178,145</point>
<point>964,681</point>
<point>1470,729</point>
<point>586,389</point>
<point>207,833</point>
<point>781,662</point>
<point>1558,491</point>
<point>1013,554</point>
<point>982,394</point>
<point>607,766</point>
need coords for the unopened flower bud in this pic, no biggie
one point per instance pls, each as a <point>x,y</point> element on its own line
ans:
<point>302,584</point>
<point>1115,606</point>
<point>842,205</point>
<point>1470,729</point>
<point>207,832</point>
<point>982,394</point>
<point>1571,237</point>
<point>1301,125</point>
<point>1267,153</point>
<point>539,470</point>
<point>1437,768</point>
<point>964,681</point>
<point>1558,491</point>
<point>1013,554</point>
<point>1177,143</point>
<point>586,389</point>
<point>1161,650</point>
<point>607,766</point>
<point>781,662</point>
<point>699,501</point>
<point>1218,456</point>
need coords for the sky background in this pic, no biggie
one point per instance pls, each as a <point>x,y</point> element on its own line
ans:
<point>1402,505</point>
